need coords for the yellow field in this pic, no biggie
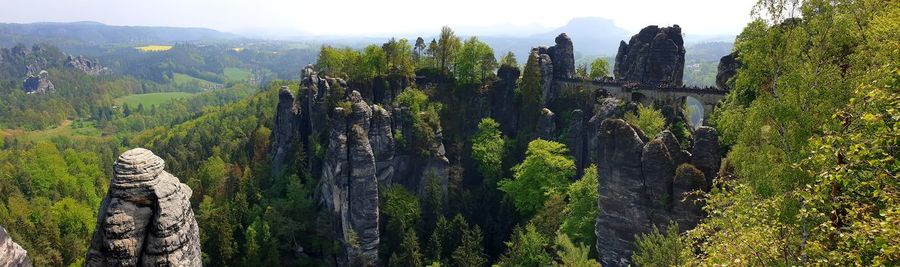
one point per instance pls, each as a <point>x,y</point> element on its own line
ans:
<point>154,48</point>
<point>238,49</point>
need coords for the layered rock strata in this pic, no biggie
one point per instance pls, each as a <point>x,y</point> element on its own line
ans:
<point>146,218</point>
<point>11,254</point>
<point>653,56</point>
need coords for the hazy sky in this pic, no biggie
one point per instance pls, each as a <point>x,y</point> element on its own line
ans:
<point>378,17</point>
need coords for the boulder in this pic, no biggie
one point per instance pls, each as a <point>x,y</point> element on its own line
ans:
<point>11,254</point>
<point>622,212</point>
<point>653,56</point>
<point>686,209</point>
<point>145,218</point>
<point>546,66</point>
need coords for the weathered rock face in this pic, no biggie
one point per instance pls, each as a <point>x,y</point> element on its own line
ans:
<point>363,186</point>
<point>728,66</point>
<point>287,125</point>
<point>621,188</point>
<point>658,168</point>
<point>11,254</point>
<point>653,56</point>
<point>38,84</point>
<point>546,65</point>
<point>686,210</point>
<point>91,67</point>
<point>679,156</point>
<point>577,142</point>
<point>503,92</point>
<point>705,153</point>
<point>563,56</point>
<point>606,109</point>
<point>546,125</point>
<point>640,188</point>
<point>382,142</point>
<point>349,187</point>
<point>146,218</point>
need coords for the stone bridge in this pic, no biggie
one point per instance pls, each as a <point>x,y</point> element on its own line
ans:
<point>646,94</point>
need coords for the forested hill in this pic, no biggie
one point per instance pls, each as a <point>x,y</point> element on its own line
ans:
<point>435,153</point>
<point>94,33</point>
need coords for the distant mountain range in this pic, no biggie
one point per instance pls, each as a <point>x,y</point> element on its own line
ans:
<point>94,33</point>
<point>592,36</point>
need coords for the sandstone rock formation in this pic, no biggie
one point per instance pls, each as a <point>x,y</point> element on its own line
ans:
<point>728,66</point>
<point>382,141</point>
<point>546,125</point>
<point>578,142</point>
<point>621,188</point>
<point>91,67</point>
<point>286,129</point>
<point>657,168</point>
<point>563,56</point>
<point>348,186</point>
<point>11,254</point>
<point>679,156</point>
<point>653,56</point>
<point>706,155</point>
<point>38,84</point>
<point>145,218</point>
<point>640,188</point>
<point>502,95</point>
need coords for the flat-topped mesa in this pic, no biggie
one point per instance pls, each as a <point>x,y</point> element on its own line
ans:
<point>654,56</point>
<point>146,218</point>
<point>11,254</point>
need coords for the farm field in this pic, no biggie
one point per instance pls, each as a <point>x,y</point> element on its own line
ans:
<point>150,99</point>
<point>154,48</point>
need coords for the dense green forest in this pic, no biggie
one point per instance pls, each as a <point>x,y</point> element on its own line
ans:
<point>810,127</point>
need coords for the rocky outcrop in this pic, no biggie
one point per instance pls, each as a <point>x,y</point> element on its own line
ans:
<point>503,93</point>
<point>89,66</point>
<point>286,129</point>
<point>640,188</point>
<point>657,168</point>
<point>706,155</point>
<point>728,66</point>
<point>679,156</point>
<point>622,214</point>
<point>11,254</point>
<point>363,185</point>
<point>607,108</point>
<point>382,141</point>
<point>653,56</point>
<point>38,84</point>
<point>145,218</point>
<point>563,56</point>
<point>577,142</point>
<point>546,125</point>
<point>686,210</point>
<point>348,186</point>
<point>546,66</point>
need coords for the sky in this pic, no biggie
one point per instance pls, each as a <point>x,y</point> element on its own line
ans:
<point>383,17</point>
